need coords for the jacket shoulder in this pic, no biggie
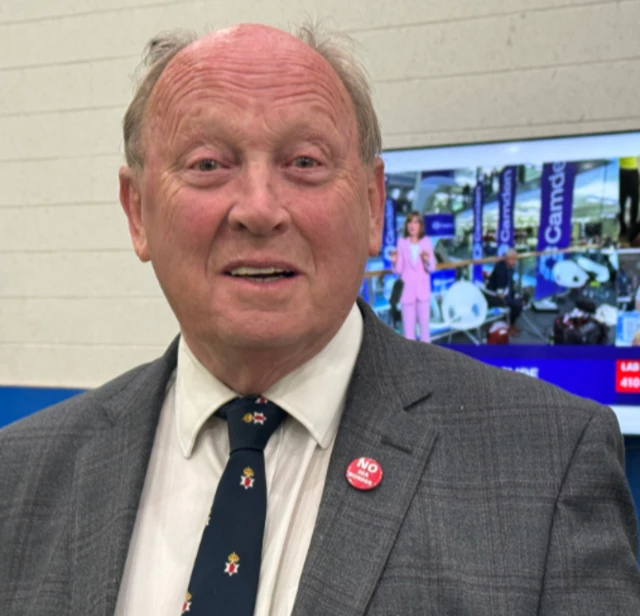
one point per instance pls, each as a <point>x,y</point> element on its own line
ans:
<point>73,415</point>
<point>59,430</point>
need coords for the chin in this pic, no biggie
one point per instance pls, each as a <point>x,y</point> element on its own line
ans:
<point>262,341</point>
<point>263,332</point>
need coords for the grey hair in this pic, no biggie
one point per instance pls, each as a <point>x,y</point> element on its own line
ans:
<point>157,54</point>
<point>335,48</point>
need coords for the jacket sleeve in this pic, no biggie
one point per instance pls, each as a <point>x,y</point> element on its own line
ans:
<point>592,558</point>
<point>432,255</point>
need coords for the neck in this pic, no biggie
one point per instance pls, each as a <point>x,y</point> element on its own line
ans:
<point>253,370</point>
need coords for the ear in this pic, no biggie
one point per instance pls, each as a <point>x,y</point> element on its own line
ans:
<point>377,197</point>
<point>131,201</point>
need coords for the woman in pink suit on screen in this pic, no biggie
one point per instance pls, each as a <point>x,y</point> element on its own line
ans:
<point>413,260</point>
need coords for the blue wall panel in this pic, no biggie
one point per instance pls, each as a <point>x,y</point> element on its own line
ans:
<point>18,402</point>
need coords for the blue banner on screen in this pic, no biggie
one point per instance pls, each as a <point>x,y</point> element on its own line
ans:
<point>389,233</point>
<point>556,187</point>
<point>478,203</point>
<point>506,203</point>
<point>606,374</point>
<point>439,224</point>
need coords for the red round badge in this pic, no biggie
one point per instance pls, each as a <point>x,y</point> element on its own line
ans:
<point>364,474</point>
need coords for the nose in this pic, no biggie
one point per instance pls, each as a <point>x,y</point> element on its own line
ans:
<point>260,208</point>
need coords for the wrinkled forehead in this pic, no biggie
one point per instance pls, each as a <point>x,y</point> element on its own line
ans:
<point>263,64</point>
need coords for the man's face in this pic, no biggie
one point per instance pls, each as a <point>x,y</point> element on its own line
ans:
<point>254,206</point>
<point>511,259</point>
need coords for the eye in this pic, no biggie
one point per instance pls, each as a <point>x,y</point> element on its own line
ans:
<point>207,164</point>
<point>304,162</point>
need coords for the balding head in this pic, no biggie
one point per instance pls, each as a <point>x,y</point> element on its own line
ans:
<point>258,68</point>
<point>511,257</point>
<point>334,48</point>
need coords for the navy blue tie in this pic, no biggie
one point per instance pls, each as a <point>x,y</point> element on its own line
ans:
<point>227,569</point>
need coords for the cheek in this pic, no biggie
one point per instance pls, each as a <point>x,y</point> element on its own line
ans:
<point>195,215</point>
<point>337,226</point>
<point>181,221</point>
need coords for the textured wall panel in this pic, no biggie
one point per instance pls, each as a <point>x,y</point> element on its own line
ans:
<point>72,366</point>
<point>63,227</point>
<point>116,274</point>
<point>77,180</point>
<point>86,321</point>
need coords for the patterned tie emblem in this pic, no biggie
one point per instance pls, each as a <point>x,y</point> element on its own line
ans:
<point>247,480</point>
<point>232,565</point>
<point>186,606</point>
<point>256,418</point>
<point>235,525</point>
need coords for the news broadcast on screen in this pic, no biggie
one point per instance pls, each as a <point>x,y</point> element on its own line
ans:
<point>536,261</point>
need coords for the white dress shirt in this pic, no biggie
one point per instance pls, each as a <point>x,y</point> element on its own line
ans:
<point>189,453</point>
<point>415,251</point>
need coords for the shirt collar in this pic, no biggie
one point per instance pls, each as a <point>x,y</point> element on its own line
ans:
<point>313,394</point>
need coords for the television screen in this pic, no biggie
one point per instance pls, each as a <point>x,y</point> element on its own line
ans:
<point>532,255</point>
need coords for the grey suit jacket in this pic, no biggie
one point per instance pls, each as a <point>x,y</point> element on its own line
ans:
<point>501,495</point>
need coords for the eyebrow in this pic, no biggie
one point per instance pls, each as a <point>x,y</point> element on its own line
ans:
<point>199,127</point>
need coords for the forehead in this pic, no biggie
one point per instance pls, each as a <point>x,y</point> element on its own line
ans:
<point>255,68</point>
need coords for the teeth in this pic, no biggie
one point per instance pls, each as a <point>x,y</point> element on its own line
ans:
<point>267,280</point>
<point>256,271</point>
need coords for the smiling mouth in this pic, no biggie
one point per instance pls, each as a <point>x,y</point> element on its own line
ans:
<point>260,274</point>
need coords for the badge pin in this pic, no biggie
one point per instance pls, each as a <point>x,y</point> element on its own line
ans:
<point>364,474</point>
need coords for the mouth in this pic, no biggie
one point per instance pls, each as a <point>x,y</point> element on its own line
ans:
<point>260,274</point>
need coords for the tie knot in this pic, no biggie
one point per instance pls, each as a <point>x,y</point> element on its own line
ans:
<point>251,422</point>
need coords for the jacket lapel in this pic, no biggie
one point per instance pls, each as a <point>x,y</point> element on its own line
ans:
<point>355,530</point>
<point>109,477</point>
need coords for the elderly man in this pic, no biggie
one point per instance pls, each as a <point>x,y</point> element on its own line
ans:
<point>289,454</point>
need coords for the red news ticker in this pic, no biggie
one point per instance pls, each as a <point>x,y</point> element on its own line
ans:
<point>627,376</point>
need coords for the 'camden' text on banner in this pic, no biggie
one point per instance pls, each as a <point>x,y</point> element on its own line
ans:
<point>506,203</point>
<point>555,221</point>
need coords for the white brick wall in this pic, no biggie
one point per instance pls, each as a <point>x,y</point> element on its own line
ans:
<point>75,305</point>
